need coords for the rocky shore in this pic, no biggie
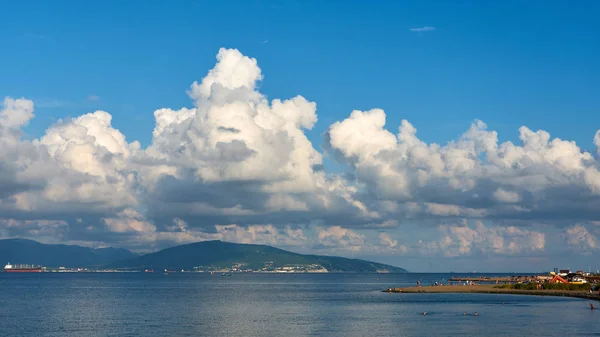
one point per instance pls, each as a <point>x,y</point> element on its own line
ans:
<point>492,289</point>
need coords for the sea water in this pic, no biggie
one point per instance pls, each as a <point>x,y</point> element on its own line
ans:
<point>198,304</point>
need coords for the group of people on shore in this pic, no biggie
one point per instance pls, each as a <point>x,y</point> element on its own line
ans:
<point>436,284</point>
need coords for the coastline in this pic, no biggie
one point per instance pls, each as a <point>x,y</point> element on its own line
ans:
<point>490,289</point>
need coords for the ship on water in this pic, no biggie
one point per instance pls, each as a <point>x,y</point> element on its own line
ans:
<point>22,268</point>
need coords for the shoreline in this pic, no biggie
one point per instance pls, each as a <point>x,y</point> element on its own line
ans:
<point>489,289</point>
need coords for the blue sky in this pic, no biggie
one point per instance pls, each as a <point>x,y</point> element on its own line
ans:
<point>509,64</point>
<point>438,64</point>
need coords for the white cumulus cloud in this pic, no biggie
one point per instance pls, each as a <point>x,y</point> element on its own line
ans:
<point>580,239</point>
<point>474,176</point>
<point>469,239</point>
<point>235,165</point>
<point>386,240</point>
<point>16,112</point>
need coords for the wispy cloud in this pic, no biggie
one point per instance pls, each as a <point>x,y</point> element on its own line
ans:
<point>51,103</point>
<point>422,29</point>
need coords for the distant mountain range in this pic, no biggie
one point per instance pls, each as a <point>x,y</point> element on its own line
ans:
<point>22,251</point>
<point>217,254</point>
<point>202,255</point>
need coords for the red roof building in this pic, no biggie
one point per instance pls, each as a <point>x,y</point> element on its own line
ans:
<point>558,279</point>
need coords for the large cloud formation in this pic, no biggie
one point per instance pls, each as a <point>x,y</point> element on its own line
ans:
<point>239,167</point>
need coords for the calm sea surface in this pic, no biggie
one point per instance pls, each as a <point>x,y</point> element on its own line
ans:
<point>139,304</point>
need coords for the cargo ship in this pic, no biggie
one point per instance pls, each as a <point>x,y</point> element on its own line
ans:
<point>22,268</point>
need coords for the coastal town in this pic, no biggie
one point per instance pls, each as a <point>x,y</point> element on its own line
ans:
<point>562,276</point>
<point>268,267</point>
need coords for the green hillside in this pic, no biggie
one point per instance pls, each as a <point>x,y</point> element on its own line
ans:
<point>219,255</point>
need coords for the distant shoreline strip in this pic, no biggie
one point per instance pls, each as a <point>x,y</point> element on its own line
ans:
<point>489,289</point>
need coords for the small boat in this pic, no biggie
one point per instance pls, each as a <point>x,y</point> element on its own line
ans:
<point>225,274</point>
<point>149,271</point>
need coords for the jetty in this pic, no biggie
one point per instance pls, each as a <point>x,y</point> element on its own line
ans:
<point>496,280</point>
<point>493,289</point>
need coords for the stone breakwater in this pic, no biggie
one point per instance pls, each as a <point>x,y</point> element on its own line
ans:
<point>491,289</point>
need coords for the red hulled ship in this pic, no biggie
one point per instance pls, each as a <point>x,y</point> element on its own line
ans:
<point>22,268</point>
